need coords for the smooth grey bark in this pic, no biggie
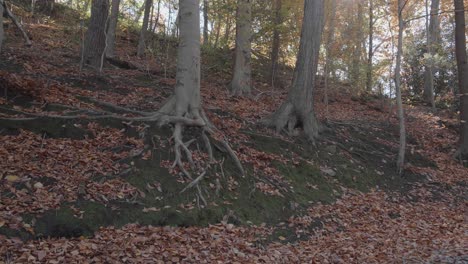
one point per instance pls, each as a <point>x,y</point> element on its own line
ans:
<point>275,47</point>
<point>2,33</point>
<point>111,30</point>
<point>370,53</point>
<point>401,115</point>
<point>432,38</point>
<point>95,39</point>
<point>144,29</point>
<point>328,46</point>
<point>462,66</point>
<point>298,109</point>
<point>241,81</point>
<point>205,22</point>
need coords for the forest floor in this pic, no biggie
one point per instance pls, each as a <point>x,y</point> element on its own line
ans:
<point>80,185</point>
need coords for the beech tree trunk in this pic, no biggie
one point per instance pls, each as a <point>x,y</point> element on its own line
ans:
<point>371,47</point>
<point>110,51</point>
<point>275,47</point>
<point>297,110</point>
<point>241,81</point>
<point>95,39</point>
<point>401,114</point>
<point>205,22</point>
<point>432,38</point>
<point>462,66</point>
<point>144,29</point>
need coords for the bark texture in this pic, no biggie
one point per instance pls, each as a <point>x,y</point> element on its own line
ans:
<point>432,38</point>
<point>110,51</point>
<point>275,47</point>
<point>241,81</point>
<point>297,110</point>
<point>144,29</point>
<point>95,39</point>
<point>401,114</point>
<point>462,66</point>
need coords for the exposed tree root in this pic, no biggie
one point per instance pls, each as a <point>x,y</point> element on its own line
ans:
<point>165,116</point>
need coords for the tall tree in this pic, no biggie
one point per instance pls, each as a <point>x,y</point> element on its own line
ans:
<point>95,39</point>
<point>241,81</point>
<point>462,66</point>
<point>401,114</point>
<point>298,109</point>
<point>275,47</point>
<point>432,37</point>
<point>370,53</point>
<point>328,46</point>
<point>114,16</point>
<point>356,66</point>
<point>144,29</point>
<point>205,22</point>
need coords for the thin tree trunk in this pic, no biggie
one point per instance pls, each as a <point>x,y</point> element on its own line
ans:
<point>17,23</point>
<point>298,109</point>
<point>432,24</point>
<point>2,33</point>
<point>328,46</point>
<point>356,67</point>
<point>401,114</point>
<point>158,13</point>
<point>241,81</point>
<point>462,66</point>
<point>111,31</point>
<point>95,39</point>
<point>227,31</point>
<point>371,47</point>
<point>275,47</point>
<point>139,12</point>
<point>144,29</point>
<point>205,22</point>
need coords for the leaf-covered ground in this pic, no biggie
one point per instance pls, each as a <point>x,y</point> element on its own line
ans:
<point>337,202</point>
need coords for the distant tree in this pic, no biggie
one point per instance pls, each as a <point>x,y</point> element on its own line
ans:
<point>275,47</point>
<point>370,53</point>
<point>331,17</point>
<point>110,51</point>
<point>432,37</point>
<point>95,39</point>
<point>241,81</point>
<point>144,29</point>
<point>205,22</point>
<point>298,109</point>
<point>462,65</point>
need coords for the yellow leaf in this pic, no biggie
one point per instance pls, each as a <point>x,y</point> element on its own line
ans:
<point>12,178</point>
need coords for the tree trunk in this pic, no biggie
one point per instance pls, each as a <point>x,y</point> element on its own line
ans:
<point>401,114</point>
<point>462,66</point>
<point>227,31</point>
<point>110,51</point>
<point>298,110</point>
<point>432,38</point>
<point>2,33</point>
<point>139,12</point>
<point>144,29</point>
<point>371,47</point>
<point>158,13</point>
<point>205,22</point>
<point>356,67</point>
<point>275,47</point>
<point>241,81</point>
<point>328,46</point>
<point>95,39</point>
